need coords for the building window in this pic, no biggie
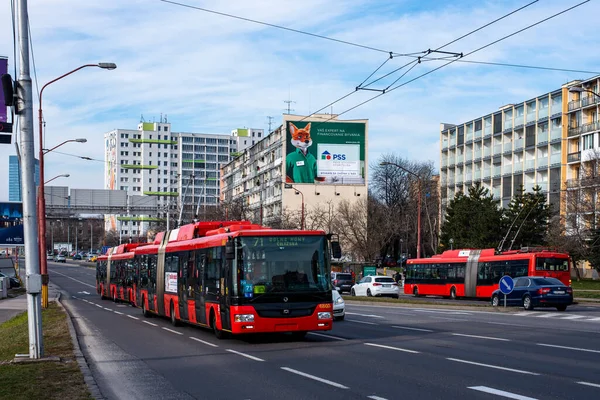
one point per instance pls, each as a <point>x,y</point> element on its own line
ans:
<point>588,142</point>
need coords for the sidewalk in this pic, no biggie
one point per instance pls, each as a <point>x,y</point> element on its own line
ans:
<point>11,307</point>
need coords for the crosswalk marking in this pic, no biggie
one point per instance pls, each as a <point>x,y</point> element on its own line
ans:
<point>558,315</point>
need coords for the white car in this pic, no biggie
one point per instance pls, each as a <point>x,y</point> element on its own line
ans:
<point>376,286</point>
<point>339,307</point>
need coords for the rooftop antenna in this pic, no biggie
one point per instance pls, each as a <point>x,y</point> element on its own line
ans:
<point>161,119</point>
<point>142,118</point>
<point>289,102</point>
<point>165,118</point>
<point>270,122</point>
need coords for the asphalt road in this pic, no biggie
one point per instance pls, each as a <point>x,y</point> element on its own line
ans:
<point>378,352</point>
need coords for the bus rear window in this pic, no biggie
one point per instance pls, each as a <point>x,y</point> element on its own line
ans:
<point>551,264</point>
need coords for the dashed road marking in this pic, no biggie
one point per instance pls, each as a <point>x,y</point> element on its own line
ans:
<point>361,322</point>
<point>568,348</point>
<point>245,355</point>
<point>364,315</point>
<point>132,317</point>
<point>376,397</point>
<point>392,348</point>
<point>409,328</point>
<point>519,371</point>
<point>107,309</point>
<point>589,384</point>
<point>502,393</point>
<point>326,336</point>
<point>316,378</point>
<point>149,323</point>
<point>76,280</point>
<point>118,312</point>
<point>481,337</point>
<point>203,342</point>
<point>172,331</point>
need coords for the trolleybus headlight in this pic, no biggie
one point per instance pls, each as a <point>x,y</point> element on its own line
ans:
<point>324,315</point>
<point>244,318</point>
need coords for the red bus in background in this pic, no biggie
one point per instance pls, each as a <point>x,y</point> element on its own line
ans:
<point>476,273</point>
<point>230,276</point>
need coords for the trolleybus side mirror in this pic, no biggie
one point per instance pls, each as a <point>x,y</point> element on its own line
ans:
<point>336,250</point>
<point>230,250</point>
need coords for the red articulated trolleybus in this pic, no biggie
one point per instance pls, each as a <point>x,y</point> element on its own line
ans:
<point>230,276</point>
<point>476,273</point>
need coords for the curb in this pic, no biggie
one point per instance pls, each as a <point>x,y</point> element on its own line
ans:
<point>83,365</point>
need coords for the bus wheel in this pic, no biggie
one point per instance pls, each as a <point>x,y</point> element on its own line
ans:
<point>115,296</point>
<point>145,312</point>
<point>495,300</point>
<point>527,302</point>
<point>213,323</point>
<point>174,320</point>
<point>453,293</point>
<point>416,292</point>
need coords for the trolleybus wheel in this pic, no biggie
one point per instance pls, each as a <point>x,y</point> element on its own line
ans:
<point>145,311</point>
<point>174,320</point>
<point>213,323</point>
<point>453,293</point>
<point>416,292</point>
<point>114,299</point>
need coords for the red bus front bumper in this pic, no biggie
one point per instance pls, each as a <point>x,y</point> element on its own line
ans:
<point>241,323</point>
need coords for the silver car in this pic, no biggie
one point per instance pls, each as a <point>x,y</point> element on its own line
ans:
<point>339,306</point>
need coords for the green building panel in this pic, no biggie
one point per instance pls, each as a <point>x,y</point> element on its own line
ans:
<point>172,194</point>
<point>134,166</point>
<point>157,141</point>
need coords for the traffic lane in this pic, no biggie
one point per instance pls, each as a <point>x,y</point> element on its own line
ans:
<point>482,346</point>
<point>199,367</point>
<point>444,363</point>
<point>72,285</point>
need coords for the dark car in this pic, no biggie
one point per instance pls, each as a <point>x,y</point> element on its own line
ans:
<point>14,282</point>
<point>77,257</point>
<point>342,280</point>
<point>536,291</point>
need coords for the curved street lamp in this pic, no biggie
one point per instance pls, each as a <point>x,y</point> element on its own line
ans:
<point>418,202</point>
<point>56,177</point>
<point>41,200</point>
<point>578,89</point>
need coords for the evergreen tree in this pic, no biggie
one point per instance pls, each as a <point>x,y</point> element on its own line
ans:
<point>473,220</point>
<point>526,219</point>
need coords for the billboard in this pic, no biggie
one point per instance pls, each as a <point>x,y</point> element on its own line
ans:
<point>3,70</point>
<point>325,152</point>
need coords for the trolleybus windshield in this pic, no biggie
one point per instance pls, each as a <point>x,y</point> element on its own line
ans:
<point>282,264</point>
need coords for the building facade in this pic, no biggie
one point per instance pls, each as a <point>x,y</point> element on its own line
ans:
<point>305,163</point>
<point>551,141</point>
<point>178,168</point>
<point>14,178</point>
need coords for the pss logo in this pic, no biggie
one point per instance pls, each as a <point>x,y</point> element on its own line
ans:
<point>334,157</point>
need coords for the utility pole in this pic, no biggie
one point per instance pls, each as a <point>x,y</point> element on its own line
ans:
<point>30,230</point>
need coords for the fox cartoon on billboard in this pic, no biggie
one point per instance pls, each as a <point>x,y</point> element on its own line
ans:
<point>325,152</point>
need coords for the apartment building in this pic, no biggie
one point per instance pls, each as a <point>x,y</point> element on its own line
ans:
<point>176,167</point>
<point>306,162</point>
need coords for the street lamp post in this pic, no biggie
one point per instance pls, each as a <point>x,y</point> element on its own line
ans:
<point>288,186</point>
<point>577,89</point>
<point>41,200</point>
<point>419,183</point>
<point>56,177</point>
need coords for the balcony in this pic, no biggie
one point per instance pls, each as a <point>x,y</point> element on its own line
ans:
<point>469,157</point>
<point>445,144</point>
<point>497,149</point>
<point>574,157</point>
<point>555,159</point>
<point>519,120</point>
<point>507,147</point>
<point>575,104</point>
<point>477,155</point>
<point>497,171</point>
<point>468,177</point>
<point>589,101</point>
<point>477,135</point>
<point>469,137</point>
<point>543,186</point>
<point>487,151</point>
<point>507,169</point>
<point>487,173</point>
<point>518,144</point>
<point>543,113</point>
<point>594,126</point>
<point>451,181</point>
<point>542,162</point>
<point>531,117</point>
<point>444,163</point>
<point>556,109</point>
<point>542,138</point>
<point>496,192</point>
<point>555,134</point>
<point>477,175</point>
<point>459,179</point>
<point>518,167</point>
<point>529,165</point>
<point>508,124</point>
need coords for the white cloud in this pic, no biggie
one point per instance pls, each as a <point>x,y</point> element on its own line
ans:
<point>210,73</point>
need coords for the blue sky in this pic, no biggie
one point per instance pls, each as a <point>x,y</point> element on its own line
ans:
<point>210,73</point>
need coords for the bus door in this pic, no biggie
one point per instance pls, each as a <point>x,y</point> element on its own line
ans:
<point>182,292</point>
<point>224,295</point>
<point>199,290</point>
<point>152,265</point>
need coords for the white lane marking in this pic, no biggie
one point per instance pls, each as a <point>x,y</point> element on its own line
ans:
<point>529,313</point>
<point>481,337</point>
<point>98,305</point>
<point>500,323</point>
<point>450,319</point>
<point>568,348</point>
<point>118,312</point>
<point>589,384</point>
<point>492,366</point>
<point>361,322</point>
<point>326,336</point>
<point>502,393</point>
<point>547,315</point>
<point>132,317</point>
<point>84,292</point>
<point>76,280</point>
<point>412,329</point>
<point>204,342</point>
<point>593,319</point>
<point>376,397</point>
<point>392,348</point>
<point>443,312</point>
<point>107,309</point>
<point>172,331</point>
<point>364,315</point>
<point>574,317</point>
<point>149,323</point>
<point>244,355</point>
<point>316,378</point>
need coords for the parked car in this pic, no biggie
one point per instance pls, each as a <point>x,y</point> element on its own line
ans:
<point>376,286</point>
<point>13,281</point>
<point>339,306</point>
<point>60,258</point>
<point>77,257</point>
<point>535,291</point>
<point>92,257</point>
<point>342,280</point>
<point>50,256</point>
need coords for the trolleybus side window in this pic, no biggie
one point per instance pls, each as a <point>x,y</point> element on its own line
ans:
<point>142,262</point>
<point>152,259</point>
<point>211,270</point>
<point>551,264</point>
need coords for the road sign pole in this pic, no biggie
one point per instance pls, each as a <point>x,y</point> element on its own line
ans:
<point>505,301</point>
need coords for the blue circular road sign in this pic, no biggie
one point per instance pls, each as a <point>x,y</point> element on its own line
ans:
<point>506,284</point>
